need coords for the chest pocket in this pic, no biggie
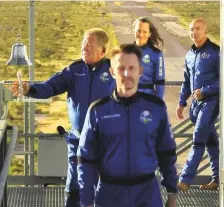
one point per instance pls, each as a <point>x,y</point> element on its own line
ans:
<point>146,131</point>
<point>101,89</point>
<point>205,63</point>
<point>112,128</point>
<point>81,83</point>
<point>148,70</point>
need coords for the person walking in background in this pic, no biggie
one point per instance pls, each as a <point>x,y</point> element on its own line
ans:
<point>201,81</point>
<point>126,136</point>
<point>85,80</point>
<point>148,39</point>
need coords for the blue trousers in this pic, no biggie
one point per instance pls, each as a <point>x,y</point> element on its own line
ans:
<point>146,194</point>
<point>72,198</point>
<point>72,187</point>
<point>203,114</point>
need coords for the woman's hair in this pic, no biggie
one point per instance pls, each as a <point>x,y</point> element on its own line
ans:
<point>154,40</point>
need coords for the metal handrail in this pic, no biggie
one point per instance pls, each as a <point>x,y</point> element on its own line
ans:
<point>181,130</point>
<point>7,161</point>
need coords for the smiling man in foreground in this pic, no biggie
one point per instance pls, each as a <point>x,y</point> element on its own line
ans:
<point>126,136</point>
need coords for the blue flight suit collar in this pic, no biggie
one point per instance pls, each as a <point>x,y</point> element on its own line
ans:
<point>124,100</point>
<point>195,49</point>
<point>97,66</point>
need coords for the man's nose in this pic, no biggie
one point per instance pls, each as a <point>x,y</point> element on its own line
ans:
<point>193,31</point>
<point>126,72</point>
<point>140,34</point>
<point>84,46</point>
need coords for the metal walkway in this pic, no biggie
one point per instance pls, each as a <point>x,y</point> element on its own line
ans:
<point>54,197</point>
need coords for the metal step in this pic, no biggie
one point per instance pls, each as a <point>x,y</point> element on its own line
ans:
<point>54,197</point>
<point>35,196</point>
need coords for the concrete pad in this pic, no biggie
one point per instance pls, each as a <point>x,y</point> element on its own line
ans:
<point>135,6</point>
<point>174,68</point>
<point>175,29</point>
<point>165,17</point>
<point>123,30</point>
<point>117,15</point>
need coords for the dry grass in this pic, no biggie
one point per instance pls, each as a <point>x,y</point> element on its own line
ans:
<point>189,10</point>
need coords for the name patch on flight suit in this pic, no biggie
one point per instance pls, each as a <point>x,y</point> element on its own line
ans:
<point>160,66</point>
<point>80,74</point>
<point>110,116</point>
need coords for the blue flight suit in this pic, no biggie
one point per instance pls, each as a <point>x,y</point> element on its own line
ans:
<point>126,139</point>
<point>202,72</point>
<point>83,84</point>
<point>153,78</point>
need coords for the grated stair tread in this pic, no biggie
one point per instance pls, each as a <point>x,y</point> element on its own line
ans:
<point>53,196</point>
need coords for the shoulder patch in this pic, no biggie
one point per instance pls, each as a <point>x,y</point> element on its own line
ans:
<point>152,98</point>
<point>99,102</point>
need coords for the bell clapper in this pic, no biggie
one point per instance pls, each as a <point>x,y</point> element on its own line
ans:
<point>19,76</point>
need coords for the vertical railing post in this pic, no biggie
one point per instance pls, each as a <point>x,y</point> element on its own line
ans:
<point>3,147</point>
<point>31,79</point>
<point>221,161</point>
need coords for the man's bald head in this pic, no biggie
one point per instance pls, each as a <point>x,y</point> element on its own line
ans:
<point>198,31</point>
<point>201,22</point>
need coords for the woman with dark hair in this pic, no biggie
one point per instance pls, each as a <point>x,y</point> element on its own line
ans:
<point>148,39</point>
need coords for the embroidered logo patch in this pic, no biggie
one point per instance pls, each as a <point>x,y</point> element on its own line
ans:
<point>104,77</point>
<point>205,55</point>
<point>146,117</point>
<point>146,59</point>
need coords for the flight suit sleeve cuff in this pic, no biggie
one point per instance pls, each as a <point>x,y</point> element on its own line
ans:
<point>183,103</point>
<point>172,190</point>
<point>32,91</point>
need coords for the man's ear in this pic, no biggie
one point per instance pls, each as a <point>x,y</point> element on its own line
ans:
<point>112,72</point>
<point>103,51</point>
